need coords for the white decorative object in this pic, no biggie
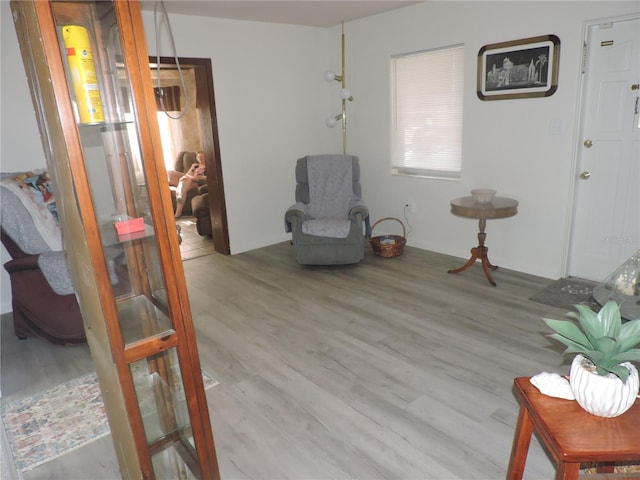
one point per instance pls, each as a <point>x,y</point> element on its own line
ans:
<point>483,195</point>
<point>623,287</point>
<point>553,385</point>
<point>603,396</point>
<point>627,278</point>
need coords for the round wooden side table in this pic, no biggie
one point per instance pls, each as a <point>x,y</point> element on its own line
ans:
<point>499,207</point>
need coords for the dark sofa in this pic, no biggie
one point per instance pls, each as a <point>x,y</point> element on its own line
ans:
<point>37,310</point>
<point>200,207</point>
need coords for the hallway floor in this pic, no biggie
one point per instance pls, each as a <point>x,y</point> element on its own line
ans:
<point>193,245</point>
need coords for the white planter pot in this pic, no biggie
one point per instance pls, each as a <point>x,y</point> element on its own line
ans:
<point>604,396</point>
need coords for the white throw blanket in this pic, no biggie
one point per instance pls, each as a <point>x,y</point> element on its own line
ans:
<point>29,216</point>
<point>34,191</point>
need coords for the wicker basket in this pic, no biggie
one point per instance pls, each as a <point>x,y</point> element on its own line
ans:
<point>388,245</point>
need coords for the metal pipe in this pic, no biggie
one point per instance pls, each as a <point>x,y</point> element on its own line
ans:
<point>344,107</point>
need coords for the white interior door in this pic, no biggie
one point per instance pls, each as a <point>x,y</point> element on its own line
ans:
<point>606,222</point>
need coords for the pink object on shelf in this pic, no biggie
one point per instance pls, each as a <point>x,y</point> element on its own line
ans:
<point>130,226</point>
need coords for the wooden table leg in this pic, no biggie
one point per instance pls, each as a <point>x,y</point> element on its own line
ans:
<point>475,254</point>
<point>479,253</point>
<point>520,448</point>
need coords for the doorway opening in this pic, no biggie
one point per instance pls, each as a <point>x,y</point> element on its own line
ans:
<point>196,130</point>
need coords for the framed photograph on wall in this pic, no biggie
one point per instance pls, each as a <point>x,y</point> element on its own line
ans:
<point>519,69</point>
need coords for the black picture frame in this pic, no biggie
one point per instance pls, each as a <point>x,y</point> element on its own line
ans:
<point>524,68</point>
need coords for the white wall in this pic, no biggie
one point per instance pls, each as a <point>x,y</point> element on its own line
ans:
<point>272,100</point>
<point>271,103</point>
<point>507,144</point>
<point>20,145</point>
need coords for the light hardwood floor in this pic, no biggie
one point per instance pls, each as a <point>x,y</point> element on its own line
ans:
<point>390,369</point>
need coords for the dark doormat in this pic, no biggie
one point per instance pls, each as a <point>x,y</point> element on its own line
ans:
<point>567,292</point>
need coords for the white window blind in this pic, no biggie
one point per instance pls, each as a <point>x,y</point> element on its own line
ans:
<point>426,108</point>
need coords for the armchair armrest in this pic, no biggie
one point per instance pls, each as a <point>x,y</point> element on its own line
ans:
<point>359,208</point>
<point>28,262</point>
<point>174,177</point>
<point>296,213</point>
<point>358,212</point>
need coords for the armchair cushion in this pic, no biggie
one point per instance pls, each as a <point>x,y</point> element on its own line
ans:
<point>184,161</point>
<point>330,186</point>
<point>327,227</point>
<point>302,179</point>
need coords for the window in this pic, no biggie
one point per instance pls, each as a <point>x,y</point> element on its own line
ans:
<point>426,109</point>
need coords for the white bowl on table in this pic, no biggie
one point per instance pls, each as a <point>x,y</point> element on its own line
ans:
<point>483,195</point>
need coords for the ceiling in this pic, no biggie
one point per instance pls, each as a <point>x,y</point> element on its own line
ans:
<point>315,13</point>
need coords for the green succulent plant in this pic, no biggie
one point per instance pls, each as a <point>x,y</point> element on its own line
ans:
<point>600,337</point>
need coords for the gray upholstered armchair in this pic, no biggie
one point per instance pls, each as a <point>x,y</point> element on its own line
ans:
<point>327,220</point>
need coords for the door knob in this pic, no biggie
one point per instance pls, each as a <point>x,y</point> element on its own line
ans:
<point>588,143</point>
<point>585,175</point>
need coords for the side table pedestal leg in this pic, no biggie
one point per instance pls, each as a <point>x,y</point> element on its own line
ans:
<point>479,253</point>
<point>474,256</point>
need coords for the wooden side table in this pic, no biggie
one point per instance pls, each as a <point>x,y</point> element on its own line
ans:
<point>570,434</point>
<point>499,207</point>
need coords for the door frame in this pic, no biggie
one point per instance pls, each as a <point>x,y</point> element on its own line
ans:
<point>577,134</point>
<point>205,101</point>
